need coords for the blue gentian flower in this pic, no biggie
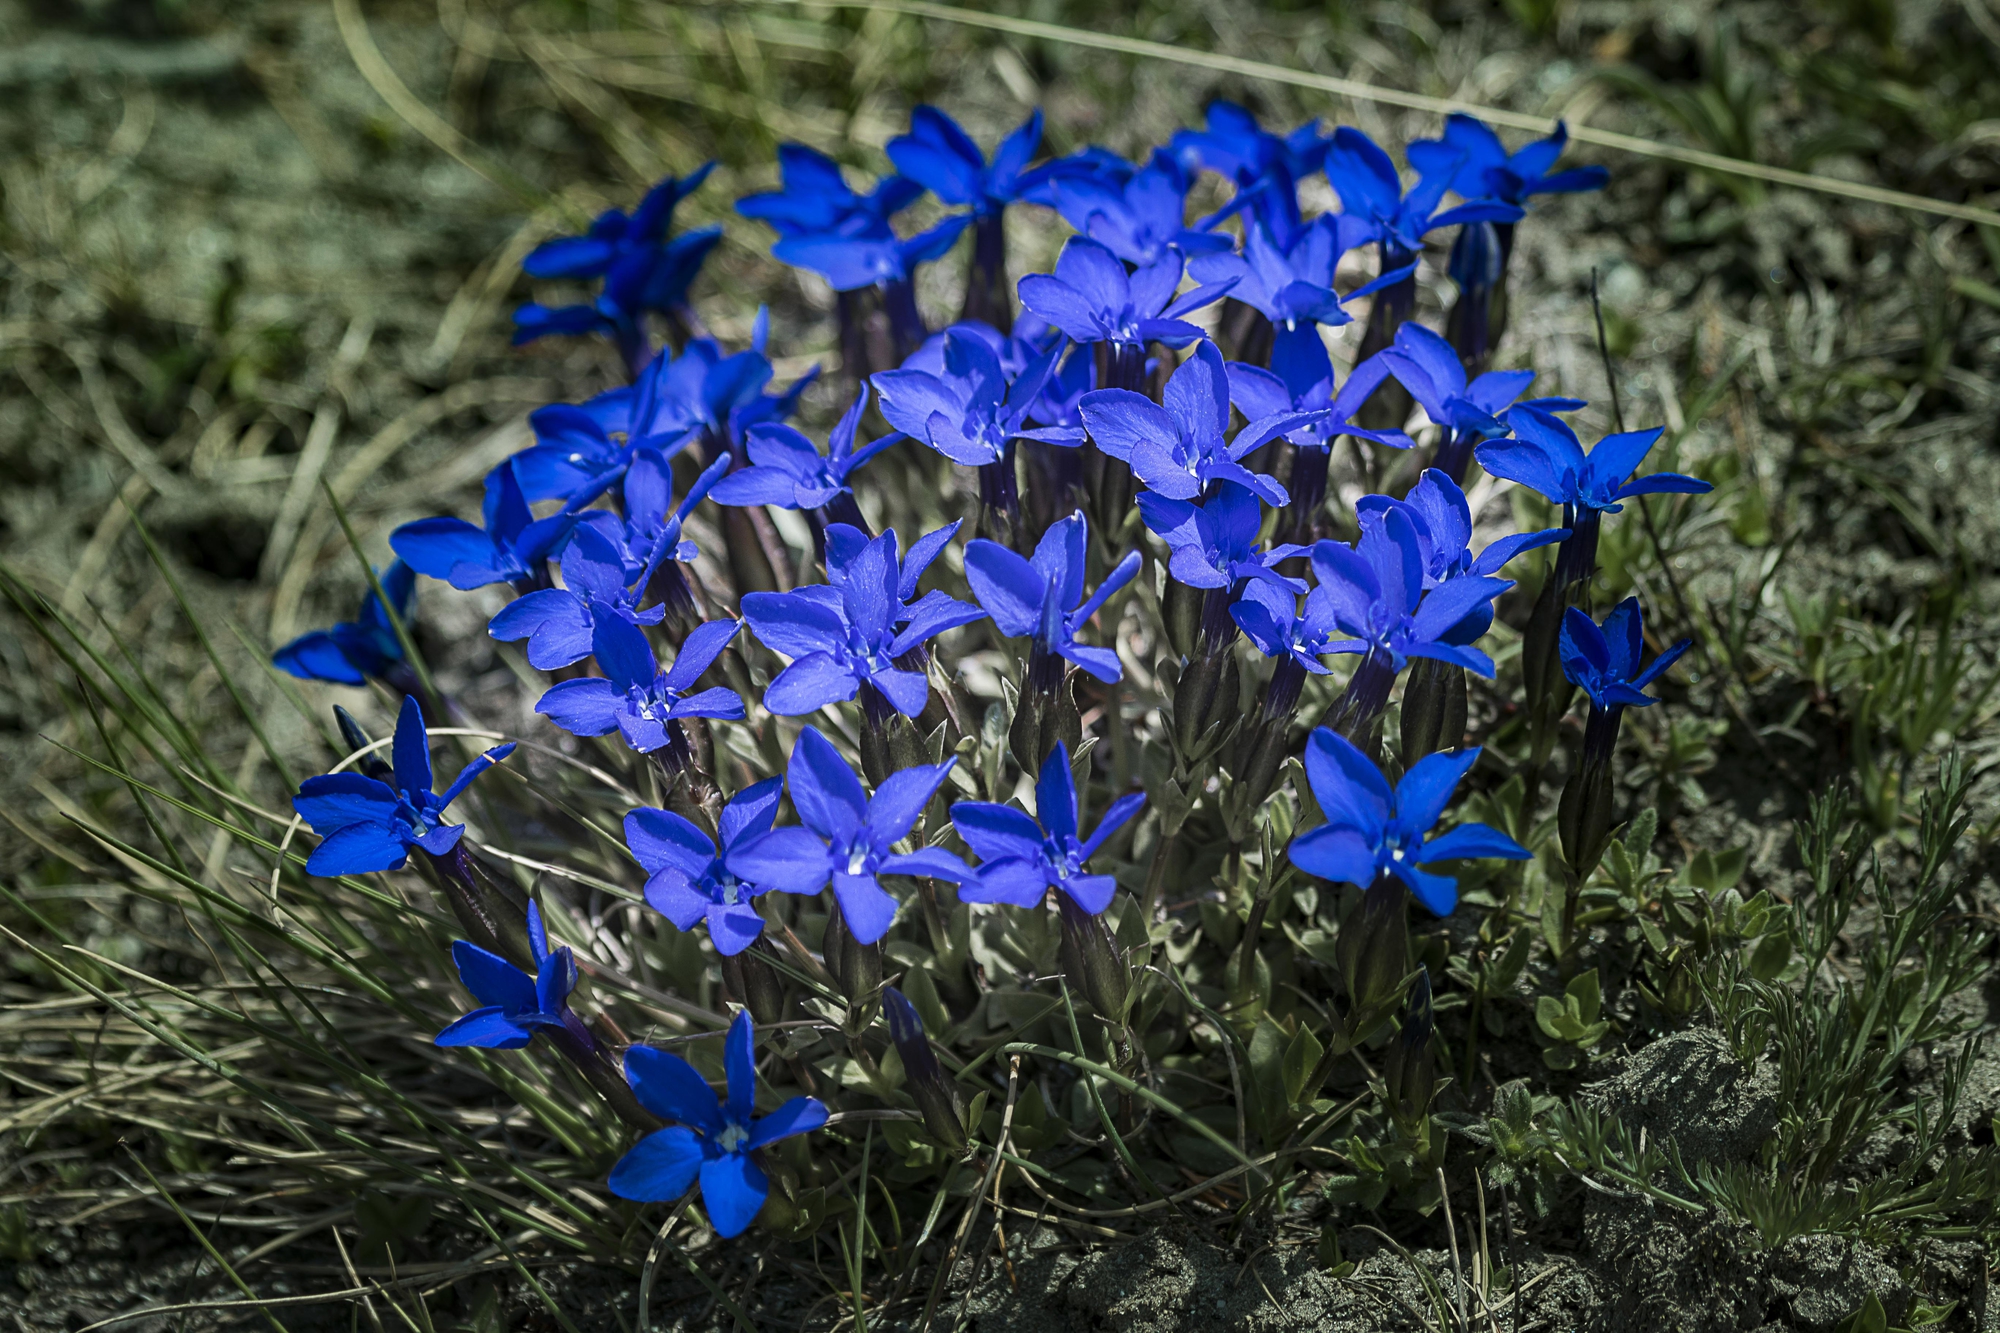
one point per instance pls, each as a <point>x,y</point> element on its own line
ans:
<point>970,408</point>
<point>716,1138</point>
<point>1291,283</point>
<point>942,158</point>
<point>847,837</point>
<point>633,696</point>
<point>513,546</point>
<point>1377,209</point>
<point>1091,298</point>
<point>874,256</point>
<point>366,824</point>
<point>1375,590</point>
<point>613,235</point>
<point>1443,521</point>
<point>787,469</point>
<point>1432,372</point>
<point>513,1003</point>
<point>1265,167</point>
<point>1545,456</point>
<point>1373,829</point>
<point>1303,386</point>
<point>1176,446</point>
<point>689,878</point>
<point>1482,168</point>
<point>1214,543</point>
<point>816,197</point>
<point>642,271</point>
<point>1023,858</point>
<point>352,651</point>
<point>557,622</point>
<point>1271,617</point>
<point>1604,663</point>
<point>854,630</point>
<point>1042,597</point>
<point>1139,214</point>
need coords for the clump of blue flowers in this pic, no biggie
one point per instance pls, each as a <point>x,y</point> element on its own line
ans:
<point>1163,744</point>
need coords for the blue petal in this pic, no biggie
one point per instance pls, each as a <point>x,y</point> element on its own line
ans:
<point>661,838</point>
<point>1337,853</point>
<point>660,1167</point>
<point>997,832</point>
<point>492,979</point>
<point>489,1028</point>
<point>800,1115</point>
<point>1469,842</point>
<point>739,1062</point>
<point>869,909</point>
<point>733,1189</point>
<point>790,860</point>
<point>358,849</point>
<point>1426,789</point>
<point>670,1087</point>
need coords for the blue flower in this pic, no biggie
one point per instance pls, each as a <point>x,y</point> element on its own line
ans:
<point>614,236</point>
<point>1303,385</point>
<point>1023,857</point>
<point>787,469</point>
<point>352,651</point>
<point>513,1003</point>
<point>557,622</point>
<point>1372,829</point>
<point>366,824</point>
<point>942,158</point>
<point>633,696</point>
<point>970,408</point>
<point>513,546</point>
<point>716,1136</point>
<point>1427,366</point>
<point>1375,590</point>
<point>1377,209</point>
<point>1091,298</point>
<point>1270,617</point>
<point>1265,167</point>
<point>852,630</point>
<point>816,197</point>
<point>847,837</point>
<point>1545,456</point>
<point>1291,283</point>
<point>1214,543</point>
<point>1483,169</point>
<point>1437,509</point>
<point>1604,663</point>
<point>642,271</point>
<point>1042,597</point>
<point>690,880</point>
<point>1139,214</point>
<point>851,260</point>
<point>1176,446</point>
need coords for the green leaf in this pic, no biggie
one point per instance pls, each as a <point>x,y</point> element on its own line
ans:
<point>1584,989</point>
<point>1870,1318</point>
<point>1768,959</point>
<point>1301,1058</point>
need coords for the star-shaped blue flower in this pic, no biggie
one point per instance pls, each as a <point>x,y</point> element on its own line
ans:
<point>970,408</point>
<point>1091,298</point>
<point>689,878</point>
<point>717,1136</point>
<point>1371,192</point>
<point>788,470</point>
<point>1024,857</point>
<point>598,582</point>
<point>1176,446</point>
<point>513,1003</point>
<point>513,546</point>
<point>352,651</point>
<point>1483,168</point>
<point>366,824</point>
<point>1042,597</point>
<point>1303,385</point>
<point>846,837</point>
<point>1214,543</point>
<point>633,696</point>
<point>1270,617</point>
<point>852,630</point>
<point>1427,366</point>
<point>1375,590</point>
<point>1604,663</point>
<point>1291,284</point>
<point>816,197</point>
<point>874,256</point>
<point>1139,214</point>
<point>942,158</point>
<point>1372,828</point>
<point>1545,456</point>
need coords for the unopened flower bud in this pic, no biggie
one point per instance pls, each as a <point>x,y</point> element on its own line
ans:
<point>1409,1074</point>
<point>935,1092</point>
<point>1584,816</point>
<point>1434,709</point>
<point>1093,961</point>
<point>751,982</point>
<point>856,966</point>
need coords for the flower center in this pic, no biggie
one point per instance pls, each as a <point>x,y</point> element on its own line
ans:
<point>732,1138</point>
